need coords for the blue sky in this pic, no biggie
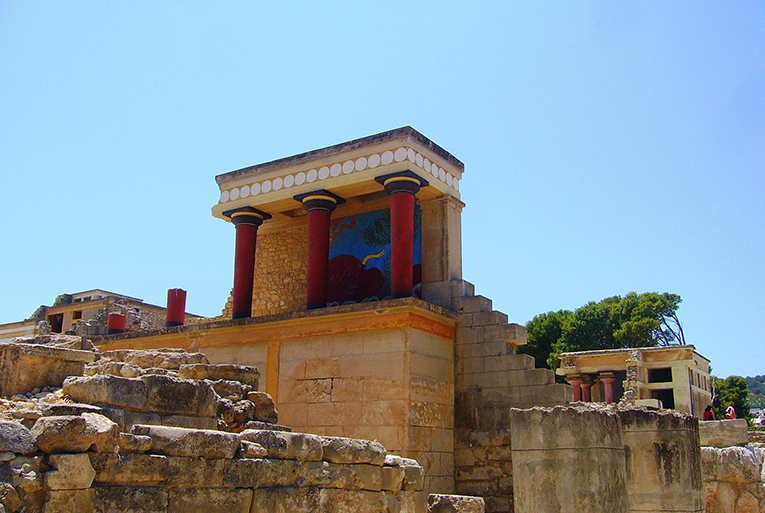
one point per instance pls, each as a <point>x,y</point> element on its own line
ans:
<point>609,147</point>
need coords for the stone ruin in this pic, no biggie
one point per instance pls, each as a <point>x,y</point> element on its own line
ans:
<point>166,431</point>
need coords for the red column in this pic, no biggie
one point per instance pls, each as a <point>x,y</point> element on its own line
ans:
<point>608,380</point>
<point>116,323</point>
<point>586,396</point>
<point>319,205</point>
<point>402,188</point>
<point>246,221</point>
<point>176,307</point>
<point>576,385</point>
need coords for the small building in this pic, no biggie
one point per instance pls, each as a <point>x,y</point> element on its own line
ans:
<point>86,313</point>
<point>675,377</point>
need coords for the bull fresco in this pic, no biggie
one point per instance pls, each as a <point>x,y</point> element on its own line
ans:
<point>359,258</point>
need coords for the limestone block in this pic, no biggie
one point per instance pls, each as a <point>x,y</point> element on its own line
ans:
<point>723,433</point>
<point>281,445</point>
<point>258,473</point>
<point>107,390</point>
<point>175,396</point>
<point>203,443</point>
<point>429,414</point>
<point>129,469</point>
<point>241,373</point>
<point>313,473</point>
<point>16,438</point>
<point>392,478</point>
<point>548,443</point>
<point>349,450</point>
<point>460,288</point>
<point>525,378</point>
<point>663,460</point>
<point>165,358</point>
<point>486,318</point>
<point>29,366</point>
<point>740,465</point>
<point>253,450</point>
<point>106,432</point>
<point>195,472</point>
<point>321,500</point>
<point>227,389</point>
<point>63,434</point>
<point>307,391</point>
<point>134,443</point>
<point>471,304</point>
<point>414,477</point>
<point>455,504</point>
<point>511,334</point>
<point>68,501</point>
<point>130,499</point>
<point>265,409</point>
<point>368,477</point>
<point>73,472</point>
<point>209,500</point>
<point>9,498</point>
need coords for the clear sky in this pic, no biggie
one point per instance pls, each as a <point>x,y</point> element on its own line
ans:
<point>609,147</point>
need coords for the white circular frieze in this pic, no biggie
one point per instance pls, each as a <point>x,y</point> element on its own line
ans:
<point>224,196</point>
<point>289,180</point>
<point>265,186</point>
<point>361,164</point>
<point>323,173</point>
<point>300,178</point>
<point>387,158</point>
<point>255,189</point>
<point>348,167</point>
<point>311,175</point>
<point>418,160</point>
<point>278,182</point>
<point>245,191</point>
<point>335,170</point>
<point>400,154</point>
<point>374,160</point>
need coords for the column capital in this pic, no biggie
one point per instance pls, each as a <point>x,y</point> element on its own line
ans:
<point>403,181</point>
<point>320,199</point>
<point>246,215</point>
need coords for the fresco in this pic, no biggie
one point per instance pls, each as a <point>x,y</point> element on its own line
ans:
<point>359,258</point>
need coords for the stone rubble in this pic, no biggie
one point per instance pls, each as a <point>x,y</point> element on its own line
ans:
<point>87,447</point>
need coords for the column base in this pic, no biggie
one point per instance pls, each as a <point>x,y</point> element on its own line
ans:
<point>397,295</point>
<point>172,324</point>
<point>239,315</point>
<point>314,306</point>
<point>114,331</point>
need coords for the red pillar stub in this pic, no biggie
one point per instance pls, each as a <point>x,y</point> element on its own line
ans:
<point>176,308</point>
<point>608,379</point>
<point>247,220</point>
<point>402,188</point>
<point>116,323</point>
<point>319,205</point>
<point>586,395</point>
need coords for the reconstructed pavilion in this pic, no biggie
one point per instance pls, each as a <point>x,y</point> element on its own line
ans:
<point>348,295</point>
<point>674,377</point>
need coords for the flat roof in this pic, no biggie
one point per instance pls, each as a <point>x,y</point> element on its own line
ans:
<point>340,148</point>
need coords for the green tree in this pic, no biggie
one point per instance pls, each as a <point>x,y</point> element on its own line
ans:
<point>732,391</point>
<point>636,320</point>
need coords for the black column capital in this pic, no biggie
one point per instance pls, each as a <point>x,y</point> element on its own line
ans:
<point>246,215</point>
<point>320,199</point>
<point>403,181</point>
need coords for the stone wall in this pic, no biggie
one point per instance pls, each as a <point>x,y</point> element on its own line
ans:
<point>594,458</point>
<point>280,273</point>
<point>84,464</point>
<point>392,385</point>
<point>733,479</point>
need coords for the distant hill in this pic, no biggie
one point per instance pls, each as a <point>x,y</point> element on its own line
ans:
<point>756,391</point>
